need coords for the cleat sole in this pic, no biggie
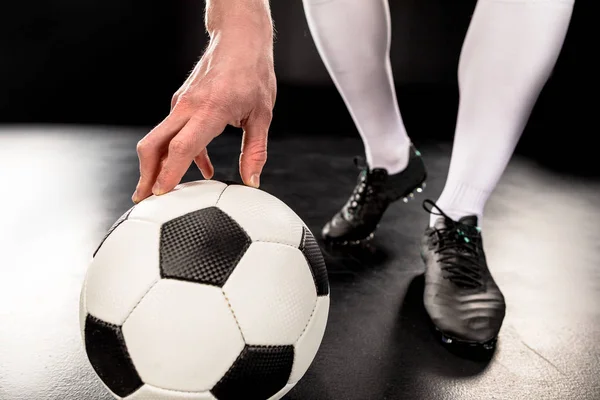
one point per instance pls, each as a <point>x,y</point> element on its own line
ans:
<point>344,242</point>
<point>467,349</point>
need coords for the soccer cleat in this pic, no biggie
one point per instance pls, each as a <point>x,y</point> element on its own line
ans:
<point>374,191</point>
<point>461,297</point>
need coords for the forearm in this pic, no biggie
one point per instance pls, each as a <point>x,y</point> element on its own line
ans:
<point>249,19</point>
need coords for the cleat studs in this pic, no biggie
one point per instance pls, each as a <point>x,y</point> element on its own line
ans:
<point>424,185</point>
<point>489,346</point>
<point>411,195</point>
<point>419,190</point>
<point>404,199</point>
<point>446,339</point>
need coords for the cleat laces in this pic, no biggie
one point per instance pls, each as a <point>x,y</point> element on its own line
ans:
<point>459,250</point>
<point>365,190</point>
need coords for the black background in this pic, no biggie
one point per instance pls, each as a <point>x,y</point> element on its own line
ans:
<point>117,62</point>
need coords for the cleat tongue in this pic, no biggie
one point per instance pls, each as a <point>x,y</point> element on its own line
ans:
<point>470,220</point>
<point>440,223</point>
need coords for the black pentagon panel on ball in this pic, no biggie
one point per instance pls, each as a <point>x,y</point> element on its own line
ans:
<point>203,246</point>
<point>258,373</point>
<point>107,352</point>
<point>114,226</point>
<point>311,250</point>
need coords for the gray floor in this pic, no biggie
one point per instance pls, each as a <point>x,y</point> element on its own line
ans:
<point>63,187</point>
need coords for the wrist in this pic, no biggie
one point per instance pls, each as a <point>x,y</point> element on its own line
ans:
<point>246,20</point>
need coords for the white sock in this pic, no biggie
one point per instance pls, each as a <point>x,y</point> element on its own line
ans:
<point>509,52</point>
<point>353,38</point>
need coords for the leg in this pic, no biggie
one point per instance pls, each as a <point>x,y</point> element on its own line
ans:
<point>353,38</point>
<point>509,52</point>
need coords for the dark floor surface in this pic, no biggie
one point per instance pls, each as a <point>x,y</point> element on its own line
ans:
<point>63,187</point>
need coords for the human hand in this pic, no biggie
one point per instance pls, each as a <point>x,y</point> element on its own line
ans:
<point>233,84</point>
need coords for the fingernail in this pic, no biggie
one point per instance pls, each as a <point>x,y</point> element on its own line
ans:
<point>135,196</point>
<point>156,190</point>
<point>255,180</point>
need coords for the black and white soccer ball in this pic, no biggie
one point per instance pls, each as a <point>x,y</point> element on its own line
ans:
<point>210,292</point>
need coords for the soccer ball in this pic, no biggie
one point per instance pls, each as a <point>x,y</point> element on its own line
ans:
<point>210,292</point>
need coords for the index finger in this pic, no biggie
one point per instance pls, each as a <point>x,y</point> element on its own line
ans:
<point>151,150</point>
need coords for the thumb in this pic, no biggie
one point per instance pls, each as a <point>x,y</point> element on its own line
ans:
<point>254,150</point>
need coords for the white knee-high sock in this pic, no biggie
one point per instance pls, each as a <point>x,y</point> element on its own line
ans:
<point>353,38</point>
<point>509,52</point>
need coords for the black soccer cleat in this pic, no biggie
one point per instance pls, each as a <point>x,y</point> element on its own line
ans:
<point>374,191</point>
<point>461,297</point>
